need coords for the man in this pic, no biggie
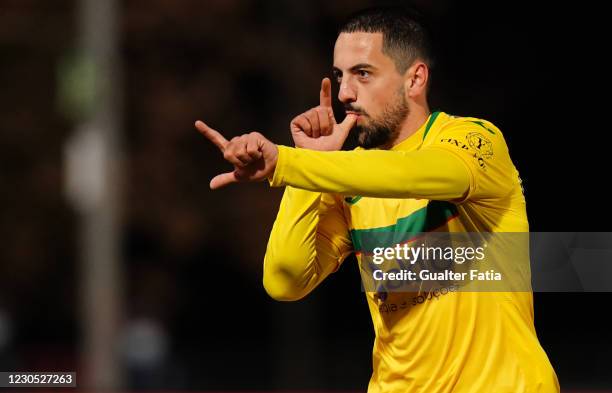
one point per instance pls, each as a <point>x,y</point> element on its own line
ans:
<point>414,170</point>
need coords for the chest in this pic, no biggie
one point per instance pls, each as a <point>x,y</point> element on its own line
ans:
<point>400,219</point>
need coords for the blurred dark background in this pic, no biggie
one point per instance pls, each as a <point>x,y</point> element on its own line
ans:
<point>194,314</point>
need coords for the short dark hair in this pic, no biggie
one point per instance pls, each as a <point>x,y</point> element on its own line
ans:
<point>405,36</point>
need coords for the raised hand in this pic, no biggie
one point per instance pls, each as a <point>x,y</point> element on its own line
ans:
<point>317,129</point>
<point>253,156</point>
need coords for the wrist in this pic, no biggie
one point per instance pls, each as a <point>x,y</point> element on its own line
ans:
<point>277,166</point>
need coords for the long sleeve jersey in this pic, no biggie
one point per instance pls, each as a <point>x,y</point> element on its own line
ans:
<point>454,174</point>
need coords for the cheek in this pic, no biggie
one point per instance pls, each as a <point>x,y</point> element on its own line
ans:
<point>384,92</point>
<point>377,100</point>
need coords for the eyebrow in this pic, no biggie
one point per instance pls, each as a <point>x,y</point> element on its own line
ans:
<point>356,67</point>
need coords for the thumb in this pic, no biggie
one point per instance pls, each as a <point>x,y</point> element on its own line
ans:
<point>223,180</point>
<point>348,123</point>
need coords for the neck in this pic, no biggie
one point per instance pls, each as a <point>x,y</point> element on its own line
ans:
<point>416,118</point>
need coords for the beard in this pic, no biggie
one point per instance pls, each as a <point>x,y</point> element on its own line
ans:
<point>383,130</point>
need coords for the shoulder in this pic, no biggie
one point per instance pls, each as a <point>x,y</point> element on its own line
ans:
<point>475,124</point>
<point>467,133</point>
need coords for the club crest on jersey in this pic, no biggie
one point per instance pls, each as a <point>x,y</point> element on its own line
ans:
<point>477,141</point>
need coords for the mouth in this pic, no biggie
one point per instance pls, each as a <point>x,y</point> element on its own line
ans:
<point>358,114</point>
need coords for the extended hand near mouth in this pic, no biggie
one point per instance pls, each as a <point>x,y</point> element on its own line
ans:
<point>317,129</point>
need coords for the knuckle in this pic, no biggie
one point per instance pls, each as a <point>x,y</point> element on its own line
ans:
<point>300,121</point>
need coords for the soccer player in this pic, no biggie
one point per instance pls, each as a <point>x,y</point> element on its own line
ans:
<point>414,171</point>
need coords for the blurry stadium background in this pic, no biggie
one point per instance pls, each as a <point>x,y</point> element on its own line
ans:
<point>119,263</point>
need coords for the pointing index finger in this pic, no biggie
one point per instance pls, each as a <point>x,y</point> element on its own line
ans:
<point>213,135</point>
<point>325,94</point>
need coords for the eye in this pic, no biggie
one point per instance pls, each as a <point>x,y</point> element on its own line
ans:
<point>338,77</point>
<point>363,73</point>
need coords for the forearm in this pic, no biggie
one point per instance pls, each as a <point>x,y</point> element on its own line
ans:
<point>429,174</point>
<point>298,257</point>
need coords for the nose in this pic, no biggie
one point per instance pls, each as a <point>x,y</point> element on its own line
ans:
<point>347,93</point>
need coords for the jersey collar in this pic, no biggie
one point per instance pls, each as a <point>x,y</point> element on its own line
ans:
<point>415,139</point>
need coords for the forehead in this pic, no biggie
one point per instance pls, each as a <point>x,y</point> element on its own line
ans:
<point>360,47</point>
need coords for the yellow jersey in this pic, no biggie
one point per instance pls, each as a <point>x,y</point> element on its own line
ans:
<point>453,174</point>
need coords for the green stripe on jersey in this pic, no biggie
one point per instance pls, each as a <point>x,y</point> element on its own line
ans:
<point>426,219</point>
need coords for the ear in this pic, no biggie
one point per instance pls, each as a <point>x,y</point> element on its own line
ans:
<point>416,79</point>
